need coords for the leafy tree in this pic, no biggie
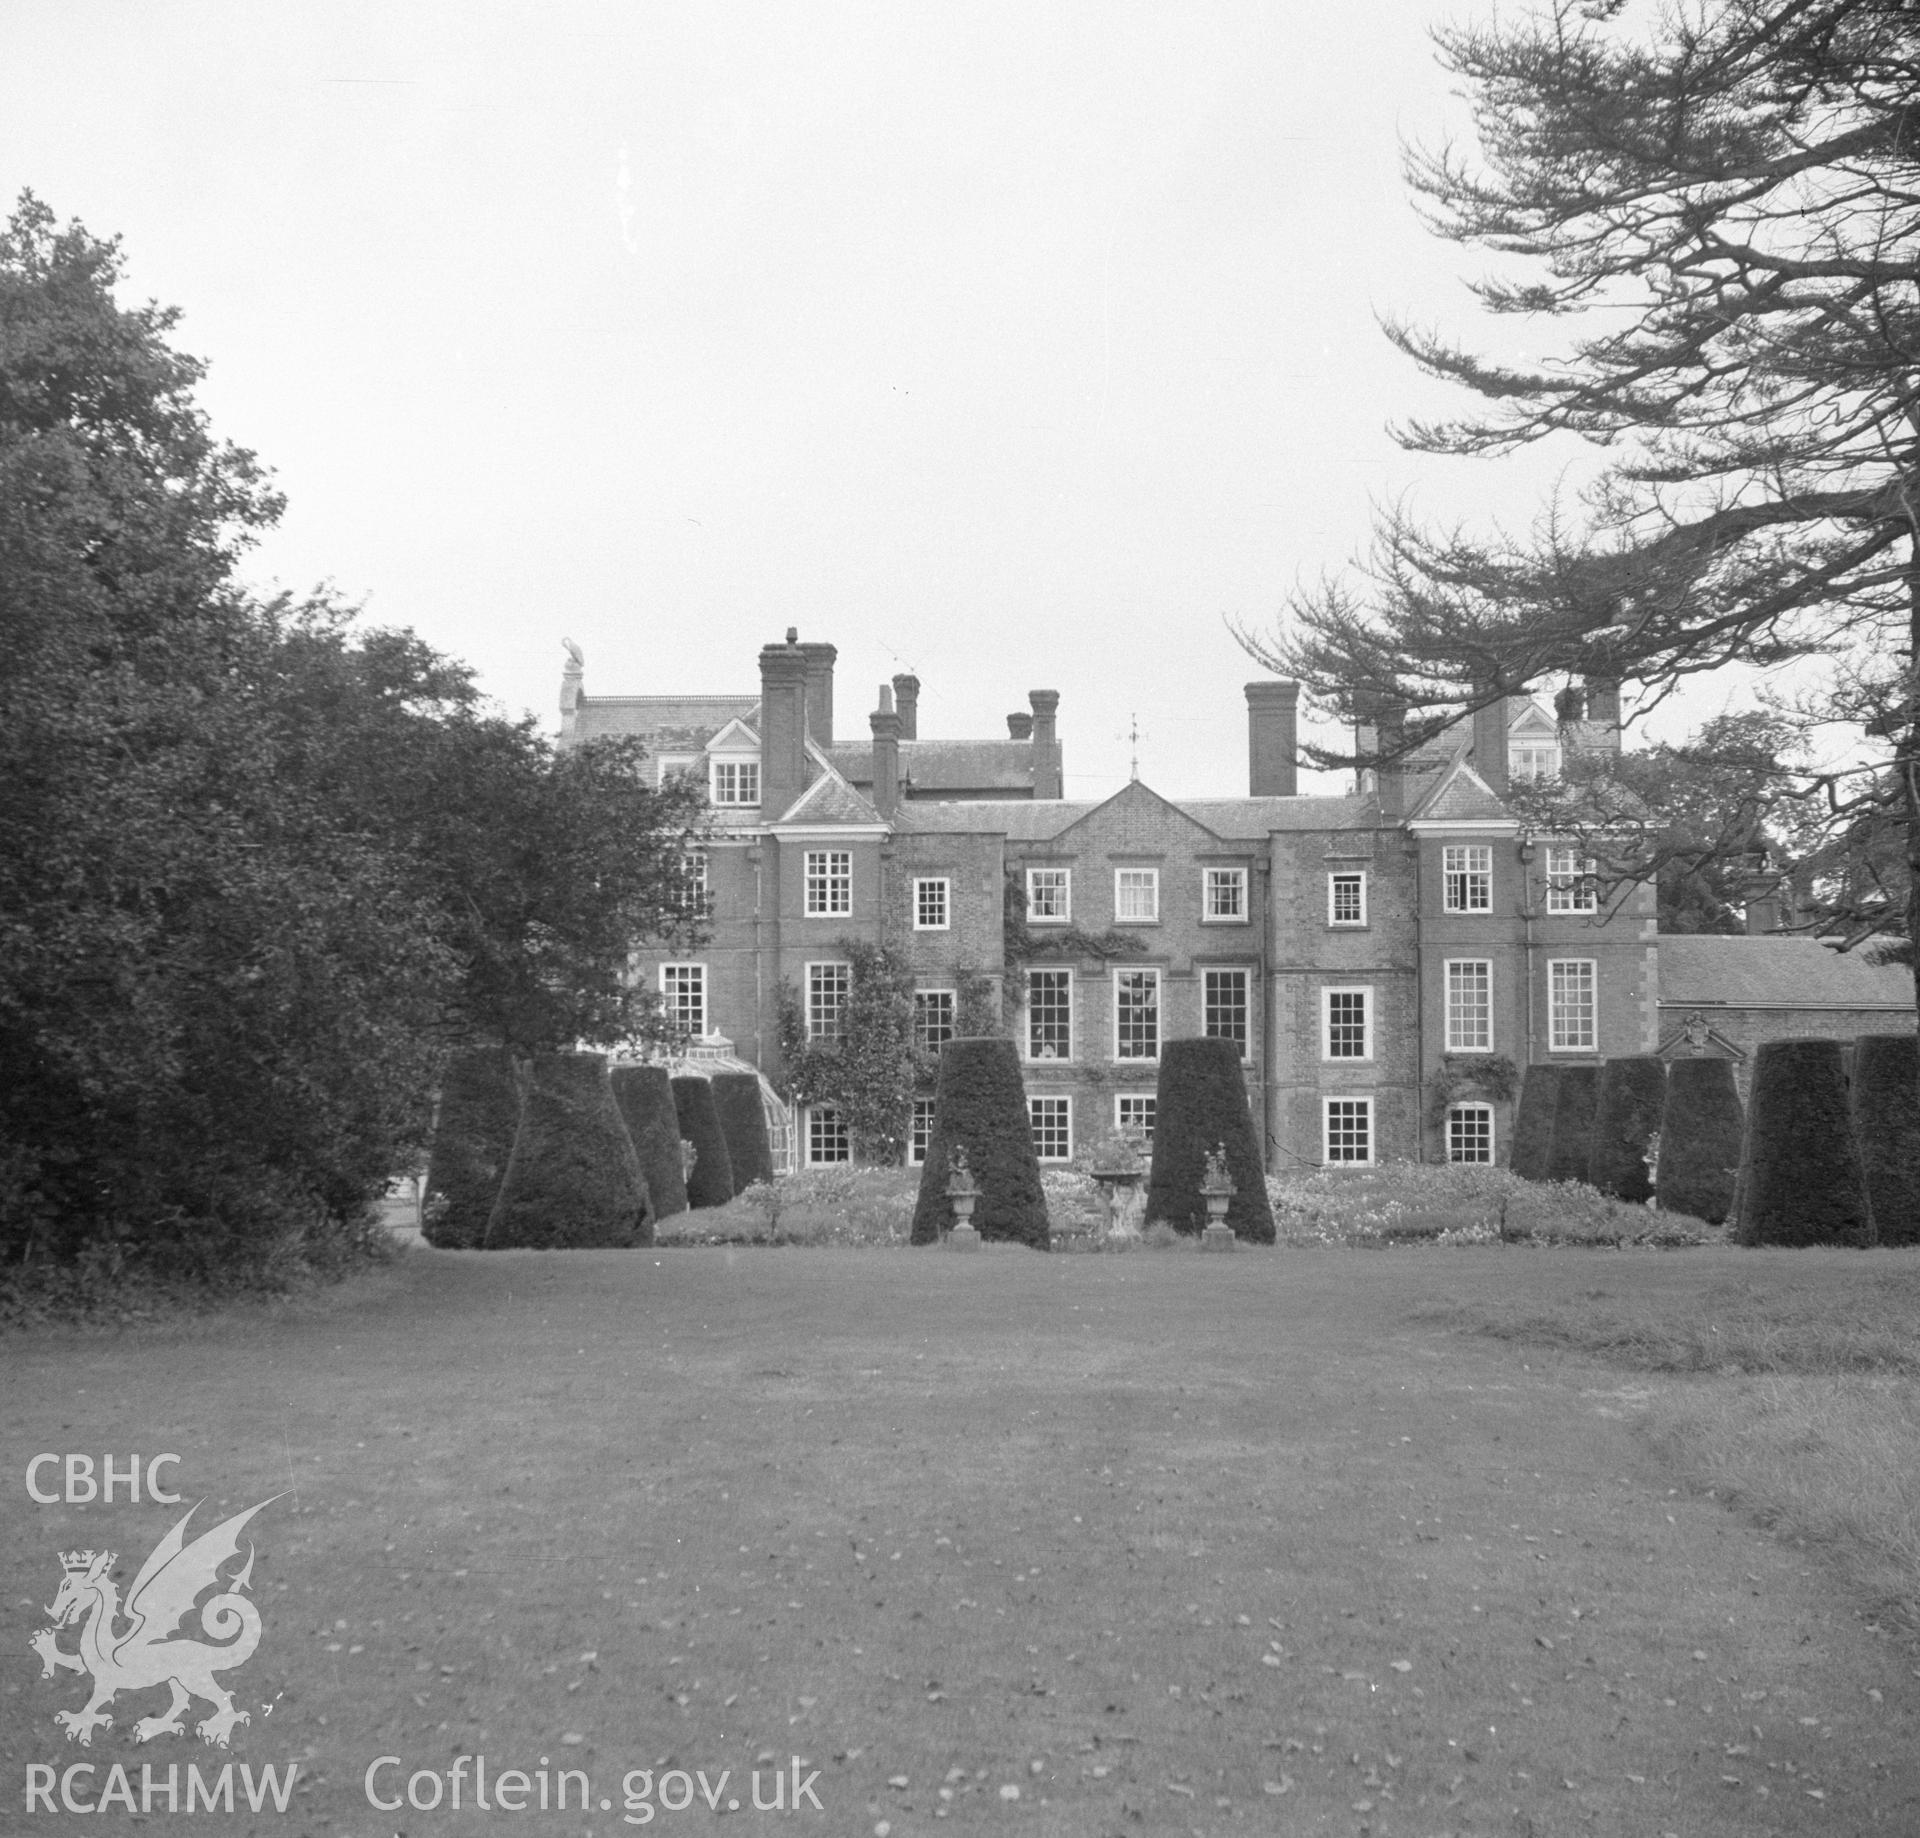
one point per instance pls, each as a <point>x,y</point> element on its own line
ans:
<point>1720,207</point>
<point>257,873</point>
<point>869,1070</point>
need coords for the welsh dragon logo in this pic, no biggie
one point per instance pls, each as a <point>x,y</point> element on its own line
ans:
<point>150,1652</point>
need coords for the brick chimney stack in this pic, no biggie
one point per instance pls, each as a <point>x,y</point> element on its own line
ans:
<point>783,725</point>
<point>1049,774</point>
<point>886,754</point>
<point>906,691</point>
<point>571,679</point>
<point>1020,726</point>
<point>1490,745</point>
<point>1603,713</point>
<point>1390,776</point>
<point>820,692</point>
<point>1273,739</point>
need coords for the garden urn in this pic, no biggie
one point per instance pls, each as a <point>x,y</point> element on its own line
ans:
<point>1217,1189</point>
<point>961,1194</point>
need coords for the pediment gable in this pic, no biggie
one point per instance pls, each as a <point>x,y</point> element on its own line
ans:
<point>1118,826</point>
<point>735,737</point>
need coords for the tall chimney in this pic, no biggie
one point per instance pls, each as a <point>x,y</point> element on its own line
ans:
<point>1273,739</point>
<point>819,692</point>
<point>906,691</point>
<point>886,755</point>
<point>1490,744</point>
<point>570,681</point>
<point>1603,712</point>
<point>783,726</point>
<point>1020,726</point>
<point>1390,776</point>
<point>1049,775</point>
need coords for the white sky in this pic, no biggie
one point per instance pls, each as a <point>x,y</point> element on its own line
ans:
<point>1017,344</point>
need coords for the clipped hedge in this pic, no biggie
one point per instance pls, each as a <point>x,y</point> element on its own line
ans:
<point>1570,1147</point>
<point>1801,1179</point>
<point>981,1102</point>
<point>1626,1114</point>
<point>743,1121</point>
<point>574,1181</point>
<point>710,1183</point>
<point>1701,1124</point>
<point>472,1144</point>
<point>1886,1114</point>
<point>646,1102</point>
<point>1533,1122</point>
<point>1201,1101</point>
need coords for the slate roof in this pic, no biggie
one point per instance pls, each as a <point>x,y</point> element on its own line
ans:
<point>936,766</point>
<point>1232,819</point>
<point>830,799</point>
<point>687,722</point>
<point>1460,796</point>
<point>1705,971</point>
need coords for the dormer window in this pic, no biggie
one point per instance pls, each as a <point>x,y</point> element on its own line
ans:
<point>736,781</point>
<point>1534,759</point>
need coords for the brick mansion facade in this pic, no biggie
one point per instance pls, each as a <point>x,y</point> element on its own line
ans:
<point>1375,956</point>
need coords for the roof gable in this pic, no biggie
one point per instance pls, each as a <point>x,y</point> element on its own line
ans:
<point>830,799</point>
<point>735,737</point>
<point>1133,801</point>
<point>1461,795</point>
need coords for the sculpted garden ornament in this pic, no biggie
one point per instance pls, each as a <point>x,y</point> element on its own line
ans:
<point>962,1193</point>
<point>1123,1180</point>
<point>1217,1189</point>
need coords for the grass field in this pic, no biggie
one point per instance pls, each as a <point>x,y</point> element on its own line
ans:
<point>1297,1541</point>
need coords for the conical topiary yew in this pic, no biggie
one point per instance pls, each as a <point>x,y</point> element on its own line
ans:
<point>1201,1102</point>
<point>1886,1114</point>
<point>710,1181</point>
<point>1571,1145</point>
<point>646,1103</point>
<point>1626,1115</point>
<point>981,1104</point>
<point>1801,1181</point>
<point>743,1121</point>
<point>573,1182</point>
<point>1701,1124</point>
<point>1533,1122</point>
<point>472,1143</point>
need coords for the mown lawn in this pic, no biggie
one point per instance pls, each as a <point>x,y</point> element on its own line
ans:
<point>1157,1543</point>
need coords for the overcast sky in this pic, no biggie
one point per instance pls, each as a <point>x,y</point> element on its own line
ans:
<point>1018,345</point>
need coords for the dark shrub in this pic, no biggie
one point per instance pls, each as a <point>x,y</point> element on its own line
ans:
<point>646,1102</point>
<point>1700,1129</point>
<point>1626,1113</point>
<point>573,1182</point>
<point>743,1121</point>
<point>1886,1114</point>
<point>711,1181</point>
<point>1533,1122</point>
<point>1571,1145</point>
<point>981,1103</point>
<point>1201,1101</point>
<point>1802,1182</point>
<point>472,1143</point>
